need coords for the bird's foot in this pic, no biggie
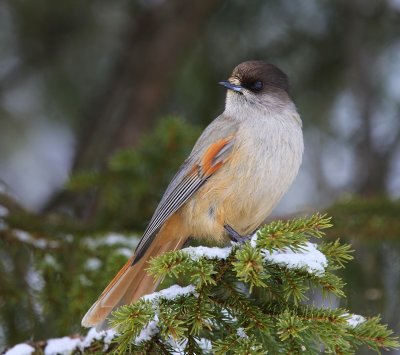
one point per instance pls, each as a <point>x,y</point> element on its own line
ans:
<point>235,236</point>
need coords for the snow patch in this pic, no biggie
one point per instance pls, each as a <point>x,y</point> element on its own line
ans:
<point>241,333</point>
<point>109,336</point>
<point>112,238</point>
<point>20,349</point>
<point>253,239</point>
<point>25,237</point>
<point>309,257</point>
<point>178,348</point>
<point>196,253</point>
<point>93,335</point>
<point>63,346</point>
<point>148,331</point>
<point>354,319</point>
<point>67,345</point>
<point>204,344</point>
<point>34,279</point>
<point>115,238</point>
<point>170,293</point>
<point>127,252</point>
<point>93,264</point>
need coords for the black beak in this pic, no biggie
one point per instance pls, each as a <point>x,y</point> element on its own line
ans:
<point>231,86</point>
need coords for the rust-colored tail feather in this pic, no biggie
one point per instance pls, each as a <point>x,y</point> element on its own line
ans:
<point>132,281</point>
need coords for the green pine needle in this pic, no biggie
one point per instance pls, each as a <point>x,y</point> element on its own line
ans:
<point>247,304</point>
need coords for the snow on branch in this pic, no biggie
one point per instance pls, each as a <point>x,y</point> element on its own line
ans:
<point>218,312</point>
<point>20,349</point>
<point>67,345</point>
<point>354,320</point>
<point>309,258</point>
<point>206,252</point>
<point>170,293</point>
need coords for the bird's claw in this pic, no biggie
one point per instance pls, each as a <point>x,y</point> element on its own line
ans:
<point>235,236</point>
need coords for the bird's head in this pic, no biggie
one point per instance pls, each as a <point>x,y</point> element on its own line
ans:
<point>257,83</point>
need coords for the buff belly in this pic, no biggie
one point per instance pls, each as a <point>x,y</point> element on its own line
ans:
<point>241,195</point>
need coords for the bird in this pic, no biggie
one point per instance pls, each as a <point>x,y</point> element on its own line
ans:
<point>237,172</point>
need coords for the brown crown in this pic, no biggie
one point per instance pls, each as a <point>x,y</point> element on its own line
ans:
<point>257,70</point>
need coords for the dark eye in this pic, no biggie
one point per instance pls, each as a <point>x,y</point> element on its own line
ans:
<point>256,86</point>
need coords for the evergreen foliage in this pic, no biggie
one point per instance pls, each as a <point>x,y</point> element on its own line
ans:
<point>249,298</point>
<point>134,179</point>
<point>54,265</point>
<point>244,302</point>
<point>371,220</point>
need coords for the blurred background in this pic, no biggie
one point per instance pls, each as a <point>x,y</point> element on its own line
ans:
<point>100,102</point>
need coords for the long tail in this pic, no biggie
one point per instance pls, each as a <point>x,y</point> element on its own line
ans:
<point>132,281</point>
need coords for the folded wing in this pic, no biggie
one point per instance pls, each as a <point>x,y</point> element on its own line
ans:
<point>189,178</point>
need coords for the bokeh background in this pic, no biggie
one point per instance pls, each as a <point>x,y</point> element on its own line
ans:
<point>100,101</point>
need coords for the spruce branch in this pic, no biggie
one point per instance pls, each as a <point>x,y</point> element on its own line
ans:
<point>129,321</point>
<point>281,264</point>
<point>242,344</point>
<point>292,234</point>
<point>337,254</point>
<point>249,299</point>
<point>249,266</point>
<point>374,334</point>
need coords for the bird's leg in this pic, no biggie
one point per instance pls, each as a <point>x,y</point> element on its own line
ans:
<point>235,236</point>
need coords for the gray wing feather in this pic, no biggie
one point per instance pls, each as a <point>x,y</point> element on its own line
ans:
<point>182,186</point>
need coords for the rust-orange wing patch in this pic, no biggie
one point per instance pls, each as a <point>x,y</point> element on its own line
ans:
<point>215,156</point>
<point>190,177</point>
